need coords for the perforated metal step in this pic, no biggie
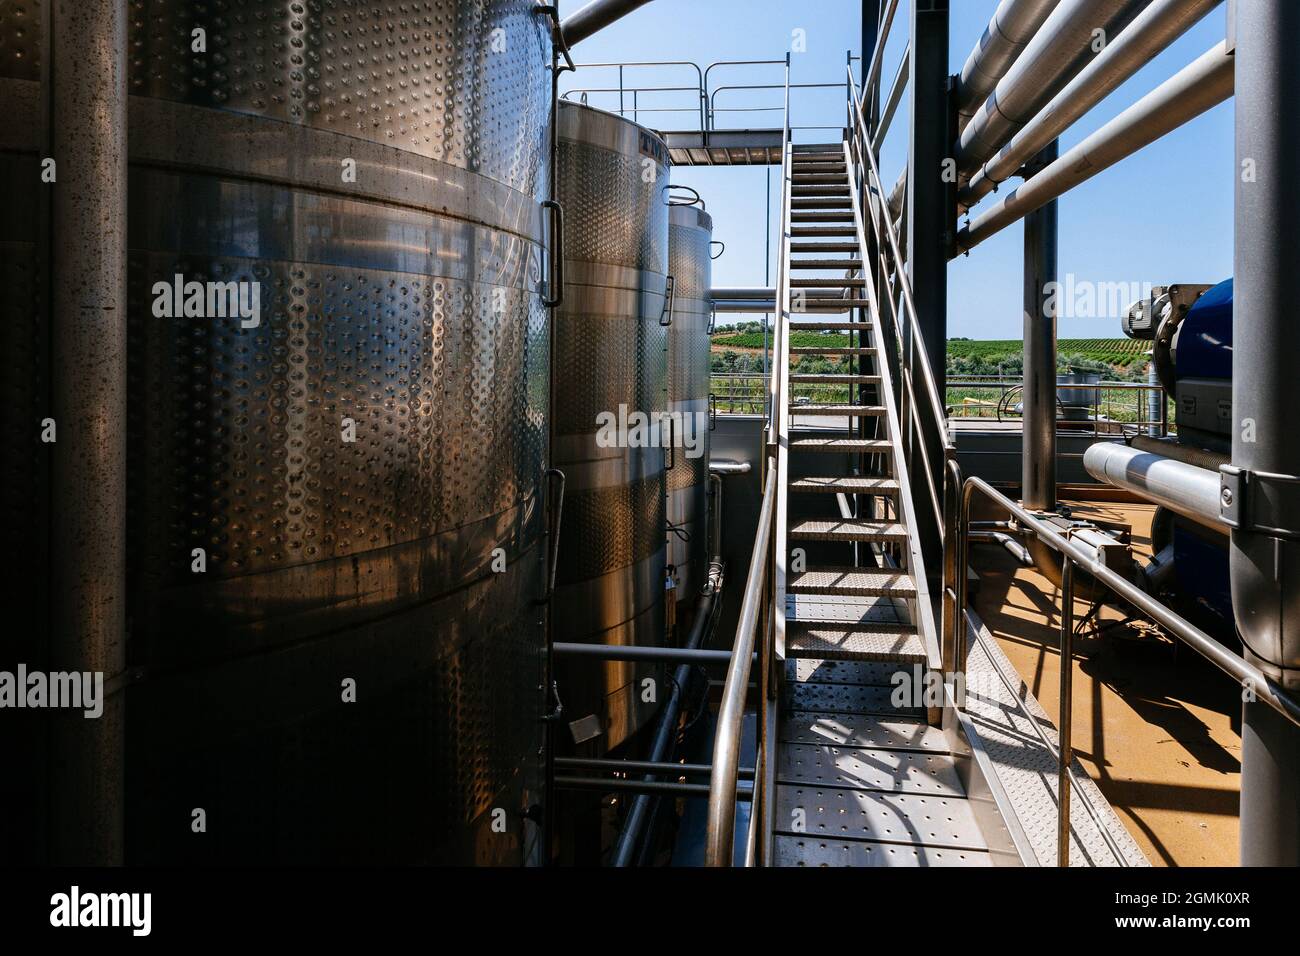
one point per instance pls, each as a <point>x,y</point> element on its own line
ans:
<point>836,642</point>
<point>815,851</point>
<point>814,484</point>
<point>857,581</point>
<point>903,771</point>
<point>848,530</point>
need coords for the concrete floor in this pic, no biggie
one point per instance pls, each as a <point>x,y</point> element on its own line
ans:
<point>1156,726</point>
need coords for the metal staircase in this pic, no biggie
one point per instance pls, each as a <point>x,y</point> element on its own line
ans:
<point>860,775</point>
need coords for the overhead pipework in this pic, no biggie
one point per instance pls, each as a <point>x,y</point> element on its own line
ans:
<point>1013,25</point>
<point>1151,31</point>
<point>1063,45</point>
<point>594,17</point>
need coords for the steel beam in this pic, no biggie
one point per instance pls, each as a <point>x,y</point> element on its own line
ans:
<point>86,53</point>
<point>932,213</point>
<point>1038,443</point>
<point>1265,564</point>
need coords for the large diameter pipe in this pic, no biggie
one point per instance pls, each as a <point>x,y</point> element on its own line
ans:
<point>1196,88</point>
<point>1057,51</point>
<point>1265,567</point>
<point>594,17</point>
<point>1151,31</point>
<point>87,56</point>
<point>1191,491</point>
<point>1012,26</point>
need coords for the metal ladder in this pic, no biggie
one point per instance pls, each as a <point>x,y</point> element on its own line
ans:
<point>863,774</point>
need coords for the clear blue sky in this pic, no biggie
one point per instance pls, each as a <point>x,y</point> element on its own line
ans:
<point>1161,216</point>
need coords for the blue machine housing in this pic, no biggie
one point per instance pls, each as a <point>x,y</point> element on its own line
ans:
<point>1205,336</point>
<point>1203,365</point>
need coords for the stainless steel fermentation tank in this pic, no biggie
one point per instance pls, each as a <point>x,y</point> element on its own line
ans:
<point>610,365</point>
<point>346,466</point>
<point>690,236</point>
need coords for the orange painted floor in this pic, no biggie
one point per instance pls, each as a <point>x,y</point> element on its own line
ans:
<point>1156,726</point>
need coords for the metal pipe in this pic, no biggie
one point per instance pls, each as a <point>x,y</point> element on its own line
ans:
<point>1064,748</point>
<point>1189,93</point>
<point>1013,24</point>
<point>1038,429</point>
<point>665,735</point>
<point>896,91</point>
<point>743,292</point>
<point>86,88</point>
<point>1265,564</point>
<point>720,838</point>
<point>661,767</point>
<point>652,655</point>
<point>1056,52</point>
<point>1191,491</point>
<point>1189,454</point>
<point>1151,31</point>
<point>594,17</point>
<point>1266,690</point>
<point>1014,547</point>
<point>724,467</point>
<point>667,788</point>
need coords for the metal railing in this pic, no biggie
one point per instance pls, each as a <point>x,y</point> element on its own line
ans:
<point>763,598</point>
<point>1075,558</point>
<point>1120,408</point>
<point>701,96</point>
<point>903,338</point>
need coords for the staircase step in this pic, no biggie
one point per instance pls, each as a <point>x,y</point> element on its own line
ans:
<point>816,282</point>
<point>847,529</point>
<point>813,350</point>
<point>887,770</point>
<point>840,642</point>
<point>846,485</point>
<point>800,202</point>
<point>809,178</point>
<point>817,670</point>
<point>857,446</point>
<point>830,325</point>
<point>805,850</point>
<point>826,263</point>
<point>822,190</point>
<point>830,216</point>
<point>858,582</point>
<point>880,819</point>
<point>845,410</point>
<point>797,247</point>
<point>861,730</point>
<point>828,305</point>
<point>833,378</point>
<point>823,231</point>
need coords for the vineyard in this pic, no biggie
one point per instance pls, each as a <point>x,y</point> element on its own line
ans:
<point>1126,358</point>
<point>1117,353</point>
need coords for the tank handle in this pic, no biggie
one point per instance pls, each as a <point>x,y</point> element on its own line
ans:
<point>555,254</point>
<point>555,478</point>
<point>692,200</point>
<point>670,297</point>
<point>717,242</point>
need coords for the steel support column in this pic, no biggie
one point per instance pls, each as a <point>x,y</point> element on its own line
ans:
<point>1265,564</point>
<point>931,190</point>
<point>1038,448</point>
<point>86,110</point>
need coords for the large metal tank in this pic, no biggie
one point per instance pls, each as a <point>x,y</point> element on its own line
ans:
<point>690,234</point>
<point>610,357</point>
<point>328,660</point>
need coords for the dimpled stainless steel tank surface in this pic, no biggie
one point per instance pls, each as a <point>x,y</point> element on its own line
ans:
<point>610,356</point>
<point>344,467</point>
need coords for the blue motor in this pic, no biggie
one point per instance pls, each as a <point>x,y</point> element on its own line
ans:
<point>1191,331</point>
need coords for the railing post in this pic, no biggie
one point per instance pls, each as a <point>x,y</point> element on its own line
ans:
<point>1065,751</point>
